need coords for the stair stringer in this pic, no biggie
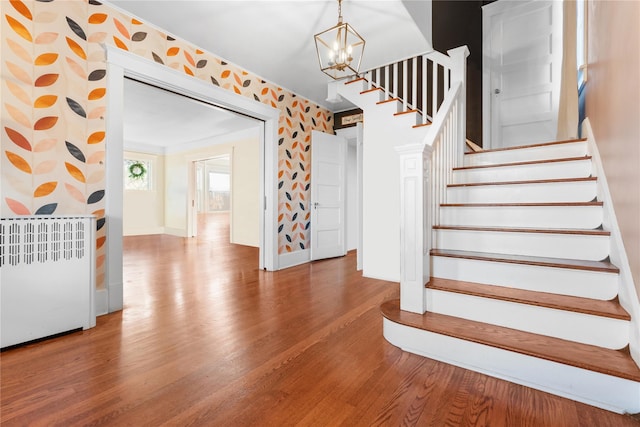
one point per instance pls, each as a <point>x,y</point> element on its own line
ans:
<point>383,132</point>
<point>627,295</point>
<point>593,388</point>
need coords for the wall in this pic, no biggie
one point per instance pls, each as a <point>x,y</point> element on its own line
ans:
<point>53,83</point>
<point>245,185</point>
<point>144,209</point>
<point>613,108</point>
<point>458,23</point>
<point>352,222</point>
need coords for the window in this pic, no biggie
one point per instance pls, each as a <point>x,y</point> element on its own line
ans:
<point>137,174</point>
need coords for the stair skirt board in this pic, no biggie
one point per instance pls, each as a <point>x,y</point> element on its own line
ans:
<point>563,281</point>
<point>567,246</point>
<point>542,152</point>
<point>593,388</point>
<point>563,191</point>
<point>588,217</point>
<point>581,168</point>
<point>568,325</point>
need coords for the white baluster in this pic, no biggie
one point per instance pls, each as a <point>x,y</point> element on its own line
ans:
<point>434,90</point>
<point>387,71</point>
<point>395,80</point>
<point>414,83</point>
<point>405,83</point>
<point>424,89</point>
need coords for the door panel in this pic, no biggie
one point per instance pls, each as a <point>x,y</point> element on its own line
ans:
<point>328,189</point>
<point>523,56</point>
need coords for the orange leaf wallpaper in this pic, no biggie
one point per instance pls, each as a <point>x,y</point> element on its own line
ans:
<point>53,77</point>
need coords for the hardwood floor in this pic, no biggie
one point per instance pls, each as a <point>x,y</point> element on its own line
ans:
<point>207,339</point>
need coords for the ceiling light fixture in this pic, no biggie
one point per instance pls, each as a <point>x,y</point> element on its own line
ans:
<point>339,49</point>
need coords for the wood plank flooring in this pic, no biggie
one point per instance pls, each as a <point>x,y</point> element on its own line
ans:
<point>207,339</point>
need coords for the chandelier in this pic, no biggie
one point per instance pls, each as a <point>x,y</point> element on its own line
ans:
<point>339,49</point>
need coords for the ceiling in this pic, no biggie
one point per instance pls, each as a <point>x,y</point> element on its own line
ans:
<point>274,40</point>
<point>173,121</point>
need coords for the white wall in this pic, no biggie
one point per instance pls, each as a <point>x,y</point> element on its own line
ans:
<point>380,198</point>
<point>144,210</point>
<point>352,198</point>
<point>245,185</point>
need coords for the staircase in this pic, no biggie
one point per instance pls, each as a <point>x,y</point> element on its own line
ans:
<point>515,258</point>
<point>521,287</point>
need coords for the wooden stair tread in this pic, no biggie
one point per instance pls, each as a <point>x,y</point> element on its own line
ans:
<point>610,309</point>
<point>526,230</point>
<point>530,162</point>
<point>543,144</point>
<point>603,266</point>
<point>370,90</point>
<point>531,181</point>
<point>535,204</point>
<point>405,112</point>
<point>387,101</point>
<point>422,124</point>
<point>617,363</point>
<point>359,79</point>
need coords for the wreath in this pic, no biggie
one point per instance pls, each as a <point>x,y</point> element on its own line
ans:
<point>137,170</point>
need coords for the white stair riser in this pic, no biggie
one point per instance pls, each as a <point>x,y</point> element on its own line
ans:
<point>408,119</point>
<point>568,325</point>
<point>390,108</point>
<point>568,246</point>
<point>581,191</point>
<point>370,98</point>
<point>593,388</point>
<point>564,281</point>
<point>547,152</point>
<point>353,93</point>
<point>555,217</point>
<point>535,171</point>
<point>368,102</point>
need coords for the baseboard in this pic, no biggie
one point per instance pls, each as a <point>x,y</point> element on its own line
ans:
<point>144,231</point>
<point>180,232</point>
<point>627,295</point>
<point>291,259</point>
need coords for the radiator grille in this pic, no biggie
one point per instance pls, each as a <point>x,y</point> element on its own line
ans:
<point>28,240</point>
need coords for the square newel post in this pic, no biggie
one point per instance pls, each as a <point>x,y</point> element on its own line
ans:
<point>459,74</point>
<point>415,225</point>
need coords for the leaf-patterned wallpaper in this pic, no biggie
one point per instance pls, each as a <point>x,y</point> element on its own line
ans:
<point>53,104</point>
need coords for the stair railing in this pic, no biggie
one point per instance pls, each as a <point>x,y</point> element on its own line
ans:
<point>425,171</point>
<point>419,82</point>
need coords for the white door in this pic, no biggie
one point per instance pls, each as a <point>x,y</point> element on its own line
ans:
<point>522,53</point>
<point>328,188</point>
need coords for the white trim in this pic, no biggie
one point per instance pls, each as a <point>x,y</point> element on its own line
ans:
<point>627,294</point>
<point>291,259</point>
<point>120,64</point>
<point>593,388</point>
<point>145,231</point>
<point>101,302</point>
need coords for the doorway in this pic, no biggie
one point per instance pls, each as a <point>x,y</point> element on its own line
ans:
<point>522,54</point>
<point>121,64</point>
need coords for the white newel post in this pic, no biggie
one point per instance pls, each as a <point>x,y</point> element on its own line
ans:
<point>459,74</point>
<point>415,225</point>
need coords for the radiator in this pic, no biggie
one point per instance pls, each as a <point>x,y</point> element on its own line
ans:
<point>47,276</point>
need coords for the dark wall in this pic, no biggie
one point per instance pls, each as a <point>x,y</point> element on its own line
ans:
<point>457,23</point>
